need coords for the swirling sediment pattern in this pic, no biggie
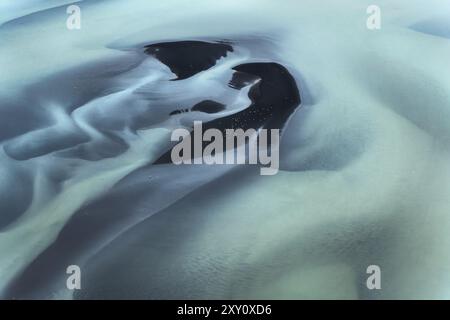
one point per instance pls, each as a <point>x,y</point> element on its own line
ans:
<point>85,172</point>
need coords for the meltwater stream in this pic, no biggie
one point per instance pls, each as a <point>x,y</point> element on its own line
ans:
<point>86,178</point>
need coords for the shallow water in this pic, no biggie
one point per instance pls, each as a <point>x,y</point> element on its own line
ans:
<point>364,177</point>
